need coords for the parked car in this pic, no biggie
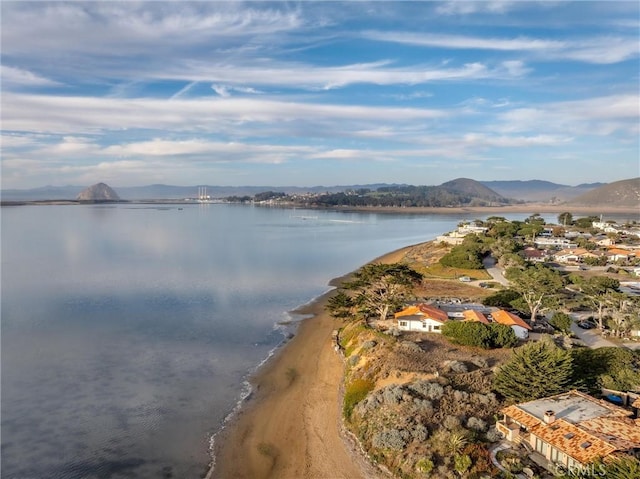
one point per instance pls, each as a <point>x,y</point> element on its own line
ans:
<point>586,325</point>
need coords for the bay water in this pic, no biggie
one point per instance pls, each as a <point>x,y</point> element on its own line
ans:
<point>128,331</point>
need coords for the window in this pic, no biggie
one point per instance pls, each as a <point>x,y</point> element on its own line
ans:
<point>436,328</point>
<point>403,323</point>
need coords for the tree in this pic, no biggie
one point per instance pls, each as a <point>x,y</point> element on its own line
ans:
<point>535,370</point>
<point>531,230</point>
<point>562,322</point>
<point>381,288</point>
<point>467,255</point>
<point>623,312</point>
<point>610,367</point>
<point>340,306</point>
<point>538,285</point>
<point>501,299</point>
<point>585,223</point>
<point>565,218</point>
<point>598,291</point>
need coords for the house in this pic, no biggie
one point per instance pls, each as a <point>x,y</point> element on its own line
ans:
<point>534,255</point>
<point>457,237</point>
<point>554,242</point>
<point>574,255</point>
<point>421,317</point>
<point>571,429</point>
<point>619,254</point>
<point>473,315</point>
<point>519,326</point>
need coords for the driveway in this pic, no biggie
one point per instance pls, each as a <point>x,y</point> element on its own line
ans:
<point>590,337</point>
<point>489,263</point>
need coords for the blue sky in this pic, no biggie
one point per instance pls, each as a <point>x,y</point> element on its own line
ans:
<point>318,93</point>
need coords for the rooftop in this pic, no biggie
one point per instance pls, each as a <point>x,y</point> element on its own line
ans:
<point>579,425</point>
<point>572,407</point>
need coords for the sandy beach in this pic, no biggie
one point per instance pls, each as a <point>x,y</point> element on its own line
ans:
<point>291,426</point>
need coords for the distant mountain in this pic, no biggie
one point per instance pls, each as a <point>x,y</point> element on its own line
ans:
<point>100,192</point>
<point>471,188</point>
<point>531,190</point>
<point>538,190</point>
<point>624,193</point>
<point>171,192</point>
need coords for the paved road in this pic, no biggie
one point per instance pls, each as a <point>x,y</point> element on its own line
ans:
<point>489,263</point>
<point>594,340</point>
<point>591,337</point>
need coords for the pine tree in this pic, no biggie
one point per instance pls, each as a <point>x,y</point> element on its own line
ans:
<point>534,371</point>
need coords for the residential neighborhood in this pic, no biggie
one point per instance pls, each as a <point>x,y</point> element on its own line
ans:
<point>562,303</point>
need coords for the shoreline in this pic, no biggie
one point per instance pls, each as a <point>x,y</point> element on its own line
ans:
<point>542,208</point>
<point>290,425</point>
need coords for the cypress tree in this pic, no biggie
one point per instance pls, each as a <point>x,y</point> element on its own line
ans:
<point>536,370</point>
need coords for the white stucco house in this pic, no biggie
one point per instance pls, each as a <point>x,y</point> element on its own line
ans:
<point>423,317</point>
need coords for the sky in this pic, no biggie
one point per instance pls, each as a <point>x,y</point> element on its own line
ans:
<point>318,93</point>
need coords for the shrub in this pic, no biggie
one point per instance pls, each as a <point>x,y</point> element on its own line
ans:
<point>467,333</point>
<point>424,465</point>
<point>355,392</point>
<point>392,395</point>
<point>462,462</point>
<point>393,439</point>
<point>420,432</point>
<point>454,366</point>
<point>493,435</point>
<point>411,346</point>
<point>451,422</point>
<point>427,389</point>
<point>502,336</point>
<point>476,424</point>
<point>368,344</point>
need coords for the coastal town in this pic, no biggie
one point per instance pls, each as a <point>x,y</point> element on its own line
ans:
<point>501,349</point>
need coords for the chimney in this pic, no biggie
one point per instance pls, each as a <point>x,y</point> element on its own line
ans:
<point>549,417</point>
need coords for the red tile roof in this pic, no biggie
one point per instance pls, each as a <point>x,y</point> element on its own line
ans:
<point>426,310</point>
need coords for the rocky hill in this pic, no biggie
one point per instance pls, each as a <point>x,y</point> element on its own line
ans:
<point>539,190</point>
<point>621,194</point>
<point>99,192</point>
<point>471,188</point>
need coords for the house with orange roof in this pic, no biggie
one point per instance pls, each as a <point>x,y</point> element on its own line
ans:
<point>421,317</point>
<point>619,254</point>
<point>571,429</point>
<point>519,326</point>
<point>473,315</point>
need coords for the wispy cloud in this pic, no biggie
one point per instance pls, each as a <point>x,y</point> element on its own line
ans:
<point>180,90</point>
<point>17,77</point>
<point>469,7</point>
<point>600,50</point>
<point>54,114</point>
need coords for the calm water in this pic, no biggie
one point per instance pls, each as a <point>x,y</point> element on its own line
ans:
<point>127,331</point>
